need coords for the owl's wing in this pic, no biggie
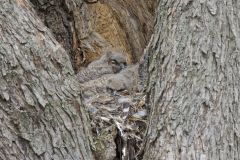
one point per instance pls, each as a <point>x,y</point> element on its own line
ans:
<point>92,73</point>
<point>125,80</point>
<point>96,86</point>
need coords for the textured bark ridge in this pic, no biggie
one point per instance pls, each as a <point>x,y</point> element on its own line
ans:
<point>193,84</point>
<point>41,114</point>
<point>86,28</point>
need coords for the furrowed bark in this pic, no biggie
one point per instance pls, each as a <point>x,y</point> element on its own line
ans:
<point>41,113</point>
<point>87,28</point>
<point>193,83</point>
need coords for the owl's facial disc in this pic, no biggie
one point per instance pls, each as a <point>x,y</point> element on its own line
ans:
<point>117,67</point>
<point>117,61</point>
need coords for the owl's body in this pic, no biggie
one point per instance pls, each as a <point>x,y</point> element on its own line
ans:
<point>96,86</point>
<point>127,79</point>
<point>92,73</point>
<point>109,63</point>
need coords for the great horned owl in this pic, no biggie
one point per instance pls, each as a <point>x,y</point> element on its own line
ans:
<point>109,63</point>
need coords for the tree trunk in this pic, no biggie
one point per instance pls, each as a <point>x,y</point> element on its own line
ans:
<point>194,81</point>
<point>87,27</point>
<point>41,114</point>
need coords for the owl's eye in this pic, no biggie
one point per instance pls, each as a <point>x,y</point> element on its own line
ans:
<point>113,62</point>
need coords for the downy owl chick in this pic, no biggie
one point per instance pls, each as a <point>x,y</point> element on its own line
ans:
<point>110,63</point>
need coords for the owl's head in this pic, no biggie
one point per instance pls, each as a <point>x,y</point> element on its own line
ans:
<point>117,61</point>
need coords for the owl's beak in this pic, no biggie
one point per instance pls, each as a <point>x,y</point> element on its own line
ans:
<point>122,65</point>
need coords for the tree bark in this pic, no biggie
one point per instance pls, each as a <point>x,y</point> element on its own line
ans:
<point>193,83</point>
<point>86,28</point>
<point>41,113</point>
